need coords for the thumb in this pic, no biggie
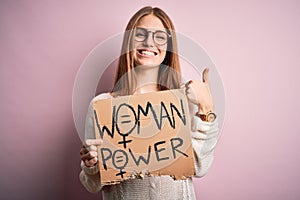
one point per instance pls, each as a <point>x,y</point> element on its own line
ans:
<point>205,75</point>
<point>95,142</point>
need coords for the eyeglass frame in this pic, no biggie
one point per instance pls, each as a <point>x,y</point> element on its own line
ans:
<point>153,33</point>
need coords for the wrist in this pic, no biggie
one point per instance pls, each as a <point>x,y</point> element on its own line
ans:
<point>90,170</point>
<point>206,115</point>
<point>205,109</point>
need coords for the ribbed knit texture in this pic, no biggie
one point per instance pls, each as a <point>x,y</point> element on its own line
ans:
<point>160,187</point>
<point>204,138</point>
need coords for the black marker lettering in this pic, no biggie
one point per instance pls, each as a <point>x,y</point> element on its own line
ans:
<point>145,113</point>
<point>174,147</point>
<point>163,107</point>
<point>122,159</point>
<point>105,158</point>
<point>181,116</point>
<point>104,128</point>
<point>117,114</point>
<point>159,150</point>
<point>124,135</point>
<point>137,161</point>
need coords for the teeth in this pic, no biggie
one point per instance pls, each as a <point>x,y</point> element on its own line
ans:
<point>148,53</point>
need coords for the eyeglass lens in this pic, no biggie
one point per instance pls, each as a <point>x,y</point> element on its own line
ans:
<point>159,37</point>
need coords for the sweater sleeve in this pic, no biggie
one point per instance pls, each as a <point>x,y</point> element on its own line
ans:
<point>204,139</point>
<point>90,176</point>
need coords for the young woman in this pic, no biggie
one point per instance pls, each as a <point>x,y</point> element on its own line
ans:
<point>149,63</point>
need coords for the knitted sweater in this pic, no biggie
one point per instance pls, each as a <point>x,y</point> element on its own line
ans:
<point>204,138</point>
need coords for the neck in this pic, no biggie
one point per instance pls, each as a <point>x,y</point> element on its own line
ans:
<point>146,79</point>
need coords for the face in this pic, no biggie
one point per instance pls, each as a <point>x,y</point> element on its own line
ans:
<point>149,42</point>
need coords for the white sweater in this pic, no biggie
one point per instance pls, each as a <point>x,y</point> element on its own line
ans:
<point>204,138</point>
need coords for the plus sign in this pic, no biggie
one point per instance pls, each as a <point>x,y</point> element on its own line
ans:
<point>124,142</point>
<point>121,173</point>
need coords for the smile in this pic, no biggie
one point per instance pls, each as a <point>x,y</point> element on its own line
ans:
<point>146,52</point>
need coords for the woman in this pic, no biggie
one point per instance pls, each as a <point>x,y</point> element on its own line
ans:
<point>149,63</point>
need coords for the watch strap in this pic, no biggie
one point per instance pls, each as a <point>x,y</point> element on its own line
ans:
<point>209,117</point>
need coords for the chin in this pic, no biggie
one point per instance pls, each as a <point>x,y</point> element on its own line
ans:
<point>148,64</point>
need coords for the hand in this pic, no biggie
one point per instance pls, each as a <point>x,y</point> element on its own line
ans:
<point>198,92</point>
<point>89,153</point>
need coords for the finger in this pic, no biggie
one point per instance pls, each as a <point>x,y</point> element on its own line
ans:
<point>91,162</point>
<point>96,142</point>
<point>90,155</point>
<point>83,150</point>
<point>187,86</point>
<point>187,83</point>
<point>189,90</point>
<point>205,75</point>
<point>92,148</point>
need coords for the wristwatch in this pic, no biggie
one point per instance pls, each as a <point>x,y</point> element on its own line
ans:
<point>209,117</point>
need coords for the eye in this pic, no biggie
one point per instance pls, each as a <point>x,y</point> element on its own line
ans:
<point>139,35</point>
<point>161,36</point>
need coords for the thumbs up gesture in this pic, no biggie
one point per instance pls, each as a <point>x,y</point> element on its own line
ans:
<point>198,92</point>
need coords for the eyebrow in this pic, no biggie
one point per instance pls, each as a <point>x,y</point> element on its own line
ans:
<point>151,29</point>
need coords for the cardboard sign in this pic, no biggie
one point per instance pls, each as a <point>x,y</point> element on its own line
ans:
<point>144,134</point>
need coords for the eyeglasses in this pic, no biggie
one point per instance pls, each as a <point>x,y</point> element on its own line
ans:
<point>159,37</point>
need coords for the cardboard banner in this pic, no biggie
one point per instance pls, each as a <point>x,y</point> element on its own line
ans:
<point>144,134</point>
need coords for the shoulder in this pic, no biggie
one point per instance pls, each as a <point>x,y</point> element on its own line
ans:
<point>102,96</point>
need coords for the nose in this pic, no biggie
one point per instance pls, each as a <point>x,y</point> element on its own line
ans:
<point>149,40</point>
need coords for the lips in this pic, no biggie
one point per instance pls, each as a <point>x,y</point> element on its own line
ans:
<point>147,52</point>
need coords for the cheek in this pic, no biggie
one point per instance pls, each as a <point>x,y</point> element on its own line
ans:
<point>134,56</point>
<point>135,44</point>
<point>162,55</point>
<point>163,50</point>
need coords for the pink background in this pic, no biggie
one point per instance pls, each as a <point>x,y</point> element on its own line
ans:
<point>254,44</point>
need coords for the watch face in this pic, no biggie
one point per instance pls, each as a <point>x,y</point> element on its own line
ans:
<point>211,117</point>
